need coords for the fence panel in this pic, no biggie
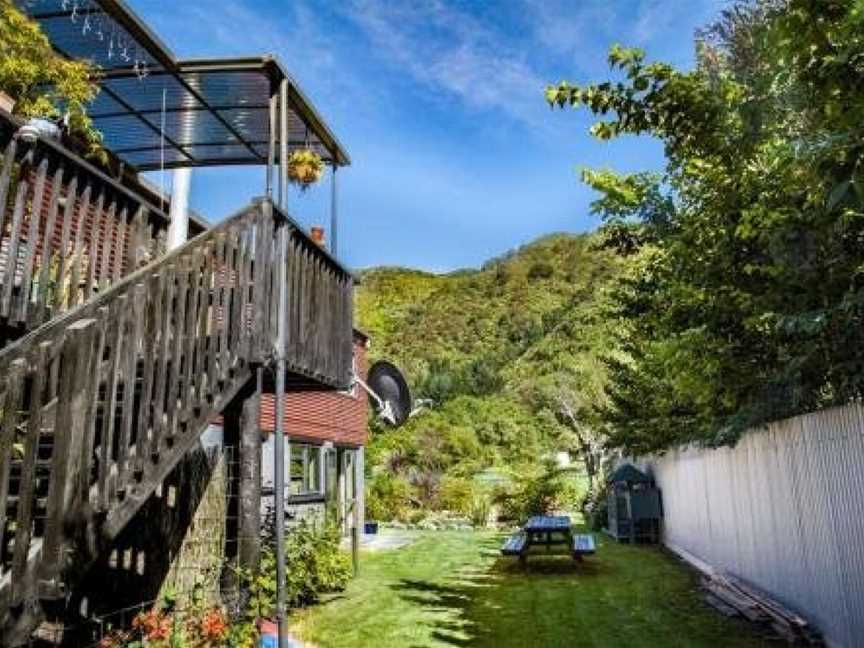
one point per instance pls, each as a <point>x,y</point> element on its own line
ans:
<point>782,510</point>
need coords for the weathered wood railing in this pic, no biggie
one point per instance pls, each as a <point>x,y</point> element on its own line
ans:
<point>67,231</point>
<point>100,403</point>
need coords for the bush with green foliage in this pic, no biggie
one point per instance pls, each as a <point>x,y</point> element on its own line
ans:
<point>481,508</point>
<point>388,498</point>
<point>456,494</point>
<point>43,83</point>
<point>744,301</point>
<point>595,506</point>
<point>317,565</point>
<point>540,490</point>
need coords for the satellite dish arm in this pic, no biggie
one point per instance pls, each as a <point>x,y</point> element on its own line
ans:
<point>385,411</point>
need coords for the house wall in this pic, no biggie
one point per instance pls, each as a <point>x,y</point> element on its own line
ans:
<point>782,510</point>
<point>320,416</point>
<point>317,418</point>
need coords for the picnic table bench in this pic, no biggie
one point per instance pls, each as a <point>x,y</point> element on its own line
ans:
<point>548,531</point>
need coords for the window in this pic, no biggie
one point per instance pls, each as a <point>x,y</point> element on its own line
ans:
<point>305,470</point>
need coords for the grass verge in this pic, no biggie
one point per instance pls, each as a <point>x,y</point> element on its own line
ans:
<point>454,589</point>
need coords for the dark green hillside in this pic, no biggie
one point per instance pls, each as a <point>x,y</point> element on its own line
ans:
<point>508,355</point>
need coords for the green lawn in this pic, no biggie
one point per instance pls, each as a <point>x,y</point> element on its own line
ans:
<point>453,589</point>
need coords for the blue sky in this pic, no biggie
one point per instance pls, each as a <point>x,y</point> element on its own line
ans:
<point>456,157</point>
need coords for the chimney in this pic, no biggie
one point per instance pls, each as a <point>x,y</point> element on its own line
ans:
<point>317,234</point>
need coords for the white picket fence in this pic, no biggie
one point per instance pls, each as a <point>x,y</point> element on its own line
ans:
<point>782,510</point>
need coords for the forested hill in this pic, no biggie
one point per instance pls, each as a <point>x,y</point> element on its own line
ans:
<point>502,352</point>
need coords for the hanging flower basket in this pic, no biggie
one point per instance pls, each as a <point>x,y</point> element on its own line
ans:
<point>7,103</point>
<point>305,168</point>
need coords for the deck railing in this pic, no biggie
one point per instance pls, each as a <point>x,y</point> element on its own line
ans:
<point>101,402</point>
<point>67,230</point>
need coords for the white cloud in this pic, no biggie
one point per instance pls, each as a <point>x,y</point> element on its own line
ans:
<point>450,51</point>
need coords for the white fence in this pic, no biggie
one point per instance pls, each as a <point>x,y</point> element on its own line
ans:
<point>783,510</point>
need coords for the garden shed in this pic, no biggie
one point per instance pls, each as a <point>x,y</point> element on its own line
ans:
<point>634,505</point>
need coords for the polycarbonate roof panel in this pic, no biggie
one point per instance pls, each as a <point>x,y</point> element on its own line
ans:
<point>153,108</point>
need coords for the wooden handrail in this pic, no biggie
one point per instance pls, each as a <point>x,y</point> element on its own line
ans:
<point>100,403</point>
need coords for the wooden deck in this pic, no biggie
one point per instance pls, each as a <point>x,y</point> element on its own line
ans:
<point>125,364</point>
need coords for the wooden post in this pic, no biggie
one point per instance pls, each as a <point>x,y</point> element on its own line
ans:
<point>63,498</point>
<point>271,149</point>
<point>334,212</point>
<point>283,146</point>
<point>250,482</point>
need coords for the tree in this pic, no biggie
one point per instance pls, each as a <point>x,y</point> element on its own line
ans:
<point>745,297</point>
<point>43,83</point>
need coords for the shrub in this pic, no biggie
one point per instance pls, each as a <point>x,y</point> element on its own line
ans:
<point>540,270</point>
<point>388,498</point>
<point>595,506</point>
<point>315,565</point>
<point>540,492</point>
<point>481,506</point>
<point>456,494</point>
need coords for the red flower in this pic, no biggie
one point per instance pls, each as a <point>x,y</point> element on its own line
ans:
<point>153,625</point>
<point>214,625</point>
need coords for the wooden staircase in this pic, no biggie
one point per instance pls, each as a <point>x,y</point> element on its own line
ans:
<point>122,368</point>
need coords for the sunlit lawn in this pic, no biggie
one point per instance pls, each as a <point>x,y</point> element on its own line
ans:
<point>453,589</point>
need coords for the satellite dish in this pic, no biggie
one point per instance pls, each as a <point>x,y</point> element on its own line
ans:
<point>388,392</point>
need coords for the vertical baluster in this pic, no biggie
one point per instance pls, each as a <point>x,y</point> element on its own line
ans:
<point>347,322</point>
<point>150,346</point>
<point>135,331</point>
<point>77,252</point>
<point>309,302</point>
<point>98,375</point>
<point>319,325</point>
<point>236,298</point>
<point>116,341</point>
<point>190,335</point>
<point>6,179</point>
<point>261,335</point>
<point>26,491</point>
<point>120,245</point>
<point>296,298</point>
<point>320,315</point>
<point>203,386</point>
<point>96,226</point>
<point>213,280</point>
<point>137,243</point>
<point>24,293</point>
<point>61,289</point>
<point>107,235</point>
<point>11,414</point>
<point>331,341</point>
<point>245,348</point>
<point>297,315</point>
<point>14,240</point>
<point>46,257</point>
<point>164,362</point>
<point>225,304</point>
<point>273,279</point>
<point>179,323</point>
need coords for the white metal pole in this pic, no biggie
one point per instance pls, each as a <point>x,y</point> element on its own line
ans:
<point>178,228</point>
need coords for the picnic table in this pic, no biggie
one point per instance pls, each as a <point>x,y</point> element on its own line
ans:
<point>548,531</point>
